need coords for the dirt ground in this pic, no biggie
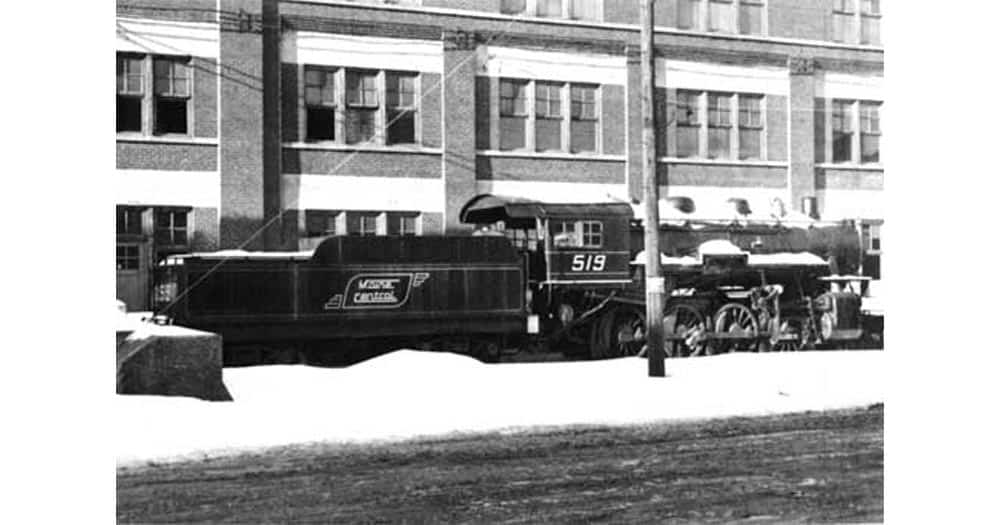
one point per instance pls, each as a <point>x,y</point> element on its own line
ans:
<point>810,467</point>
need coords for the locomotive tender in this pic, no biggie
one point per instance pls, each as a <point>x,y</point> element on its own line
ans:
<point>562,276</point>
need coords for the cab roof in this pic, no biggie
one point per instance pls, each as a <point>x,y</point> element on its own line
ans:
<point>489,208</point>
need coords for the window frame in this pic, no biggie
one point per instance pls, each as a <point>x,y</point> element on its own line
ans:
<point>172,228</point>
<point>702,21</point>
<point>132,262</point>
<point>412,109</point>
<point>731,18</point>
<point>747,125</point>
<point>131,217</point>
<point>149,95</point>
<point>557,108</point>
<point>171,96</point>
<point>585,235</point>
<point>335,75</point>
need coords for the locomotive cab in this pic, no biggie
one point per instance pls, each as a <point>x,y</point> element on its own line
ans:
<point>582,245</point>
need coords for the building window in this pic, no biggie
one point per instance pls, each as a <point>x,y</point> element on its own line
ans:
<point>368,224</point>
<point>513,114</point>
<point>171,228</point>
<point>562,116</point>
<point>719,135</point>
<point>321,104</point>
<point>571,9</point>
<point>401,108</point>
<point>719,125</point>
<point>406,224</point>
<point>551,8</point>
<point>513,7</point>
<point>583,118</point>
<point>585,10</point>
<point>548,116</point>
<point>688,123</point>
<point>843,130</point>
<point>844,28</point>
<point>129,220</point>
<point>872,236</point>
<point>871,22</point>
<point>154,94</point>
<point>362,105</point>
<point>171,93</point>
<point>130,92</point>
<point>721,16</point>
<point>689,14</point>
<point>751,126</point>
<point>127,257</point>
<point>346,106</point>
<point>751,17</point>
<point>871,131</point>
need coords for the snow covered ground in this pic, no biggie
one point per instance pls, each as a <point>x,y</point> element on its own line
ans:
<point>407,394</point>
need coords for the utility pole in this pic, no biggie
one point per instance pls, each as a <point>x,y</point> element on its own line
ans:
<point>651,196</point>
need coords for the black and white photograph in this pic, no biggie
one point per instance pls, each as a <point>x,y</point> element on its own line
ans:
<point>500,261</point>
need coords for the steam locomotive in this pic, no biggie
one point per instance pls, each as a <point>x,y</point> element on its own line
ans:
<point>535,275</point>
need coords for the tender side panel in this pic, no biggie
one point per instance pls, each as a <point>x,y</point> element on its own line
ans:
<point>258,301</point>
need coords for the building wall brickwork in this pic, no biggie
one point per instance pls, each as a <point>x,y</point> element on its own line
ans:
<point>361,163</point>
<point>458,98</point>
<point>680,174</point>
<point>549,169</point>
<point>291,101</point>
<point>206,96</point>
<point>241,140</point>
<point>806,19</point>
<point>847,179</point>
<point>430,109</point>
<point>152,155</point>
<point>613,119</point>
<point>776,127</point>
<point>801,123</point>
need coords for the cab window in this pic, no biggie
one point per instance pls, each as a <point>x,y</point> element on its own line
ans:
<point>578,234</point>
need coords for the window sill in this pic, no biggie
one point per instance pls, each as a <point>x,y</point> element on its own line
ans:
<point>331,146</point>
<point>724,162</point>
<point>851,166</point>
<point>550,155</point>
<point>166,139</point>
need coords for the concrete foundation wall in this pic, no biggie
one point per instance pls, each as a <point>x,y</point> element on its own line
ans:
<point>171,361</point>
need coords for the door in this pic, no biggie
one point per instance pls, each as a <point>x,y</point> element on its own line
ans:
<point>133,262</point>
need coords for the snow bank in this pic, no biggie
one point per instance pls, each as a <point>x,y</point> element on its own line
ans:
<point>408,393</point>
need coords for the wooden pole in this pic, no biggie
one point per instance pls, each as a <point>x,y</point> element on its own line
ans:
<point>651,196</point>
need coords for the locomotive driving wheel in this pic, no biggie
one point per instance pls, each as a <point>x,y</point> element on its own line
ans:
<point>686,321</point>
<point>786,343</point>
<point>740,324</point>
<point>619,333</point>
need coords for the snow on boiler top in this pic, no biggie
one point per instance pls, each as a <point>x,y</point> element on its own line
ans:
<point>754,259</point>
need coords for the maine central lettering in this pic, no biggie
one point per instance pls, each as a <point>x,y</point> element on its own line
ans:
<point>377,291</point>
<point>388,290</point>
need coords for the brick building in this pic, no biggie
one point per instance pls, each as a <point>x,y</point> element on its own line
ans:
<point>267,124</point>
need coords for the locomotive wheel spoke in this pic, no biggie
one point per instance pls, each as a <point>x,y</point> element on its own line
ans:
<point>737,320</point>
<point>688,323</point>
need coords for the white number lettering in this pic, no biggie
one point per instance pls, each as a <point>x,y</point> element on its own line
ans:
<point>588,262</point>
